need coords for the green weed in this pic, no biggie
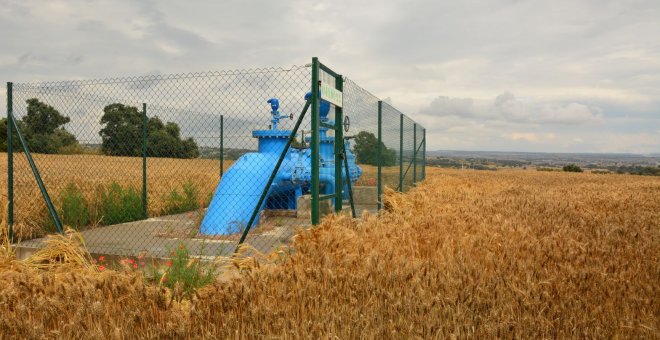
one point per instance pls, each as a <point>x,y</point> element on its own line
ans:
<point>176,202</point>
<point>184,271</point>
<point>74,207</point>
<point>119,205</point>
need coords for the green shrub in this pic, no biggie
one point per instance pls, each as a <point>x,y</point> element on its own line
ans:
<point>119,205</point>
<point>176,202</point>
<point>547,169</point>
<point>74,210</point>
<point>71,149</point>
<point>572,168</point>
<point>189,273</point>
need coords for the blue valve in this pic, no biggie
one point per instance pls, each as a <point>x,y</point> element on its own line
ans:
<point>275,105</point>
<point>324,106</point>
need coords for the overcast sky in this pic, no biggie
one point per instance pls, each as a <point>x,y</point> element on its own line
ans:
<point>556,76</point>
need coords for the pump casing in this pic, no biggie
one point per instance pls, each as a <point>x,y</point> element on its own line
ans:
<point>243,183</point>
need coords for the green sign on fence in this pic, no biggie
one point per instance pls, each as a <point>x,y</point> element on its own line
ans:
<point>331,95</point>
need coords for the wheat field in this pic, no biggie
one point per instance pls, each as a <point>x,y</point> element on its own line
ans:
<point>521,254</point>
<point>92,172</point>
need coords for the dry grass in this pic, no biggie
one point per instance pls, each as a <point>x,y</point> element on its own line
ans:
<point>89,173</point>
<point>65,252</point>
<point>467,254</point>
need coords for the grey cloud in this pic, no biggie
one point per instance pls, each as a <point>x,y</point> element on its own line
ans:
<point>24,58</point>
<point>572,113</point>
<point>31,58</point>
<point>572,66</point>
<point>507,108</point>
<point>504,99</point>
<point>533,126</point>
<point>514,110</point>
<point>75,59</point>
<point>91,26</point>
<point>446,106</point>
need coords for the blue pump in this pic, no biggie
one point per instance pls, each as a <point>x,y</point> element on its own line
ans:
<point>243,183</point>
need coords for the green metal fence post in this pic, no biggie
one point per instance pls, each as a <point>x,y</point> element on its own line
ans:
<point>144,160</point>
<point>10,161</point>
<point>315,142</point>
<point>401,152</point>
<point>415,155</point>
<point>37,176</point>
<point>380,155</point>
<point>424,157</point>
<point>222,145</point>
<point>412,159</point>
<point>339,145</point>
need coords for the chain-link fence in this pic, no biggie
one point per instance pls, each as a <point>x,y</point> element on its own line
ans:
<point>143,165</point>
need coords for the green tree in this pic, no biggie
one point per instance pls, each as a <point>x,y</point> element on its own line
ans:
<point>3,135</point>
<point>122,135</point>
<point>42,129</point>
<point>366,150</point>
<point>122,131</point>
<point>43,125</point>
<point>165,141</point>
<point>42,118</point>
<point>190,148</point>
<point>572,168</point>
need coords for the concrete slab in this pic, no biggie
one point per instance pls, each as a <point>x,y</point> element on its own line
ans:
<point>157,237</point>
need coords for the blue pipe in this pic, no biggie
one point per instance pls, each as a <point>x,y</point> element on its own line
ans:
<point>241,186</point>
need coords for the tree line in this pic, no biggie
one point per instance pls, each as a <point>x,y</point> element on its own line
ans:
<point>121,133</point>
<point>43,128</point>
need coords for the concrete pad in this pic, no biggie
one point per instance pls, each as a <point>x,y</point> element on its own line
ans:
<point>158,237</point>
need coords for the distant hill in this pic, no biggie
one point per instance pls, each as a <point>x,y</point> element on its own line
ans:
<point>554,159</point>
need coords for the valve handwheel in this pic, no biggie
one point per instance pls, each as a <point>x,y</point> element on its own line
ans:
<point>347,123</point>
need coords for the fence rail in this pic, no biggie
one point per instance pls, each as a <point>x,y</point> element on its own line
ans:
<point>143,165</point>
